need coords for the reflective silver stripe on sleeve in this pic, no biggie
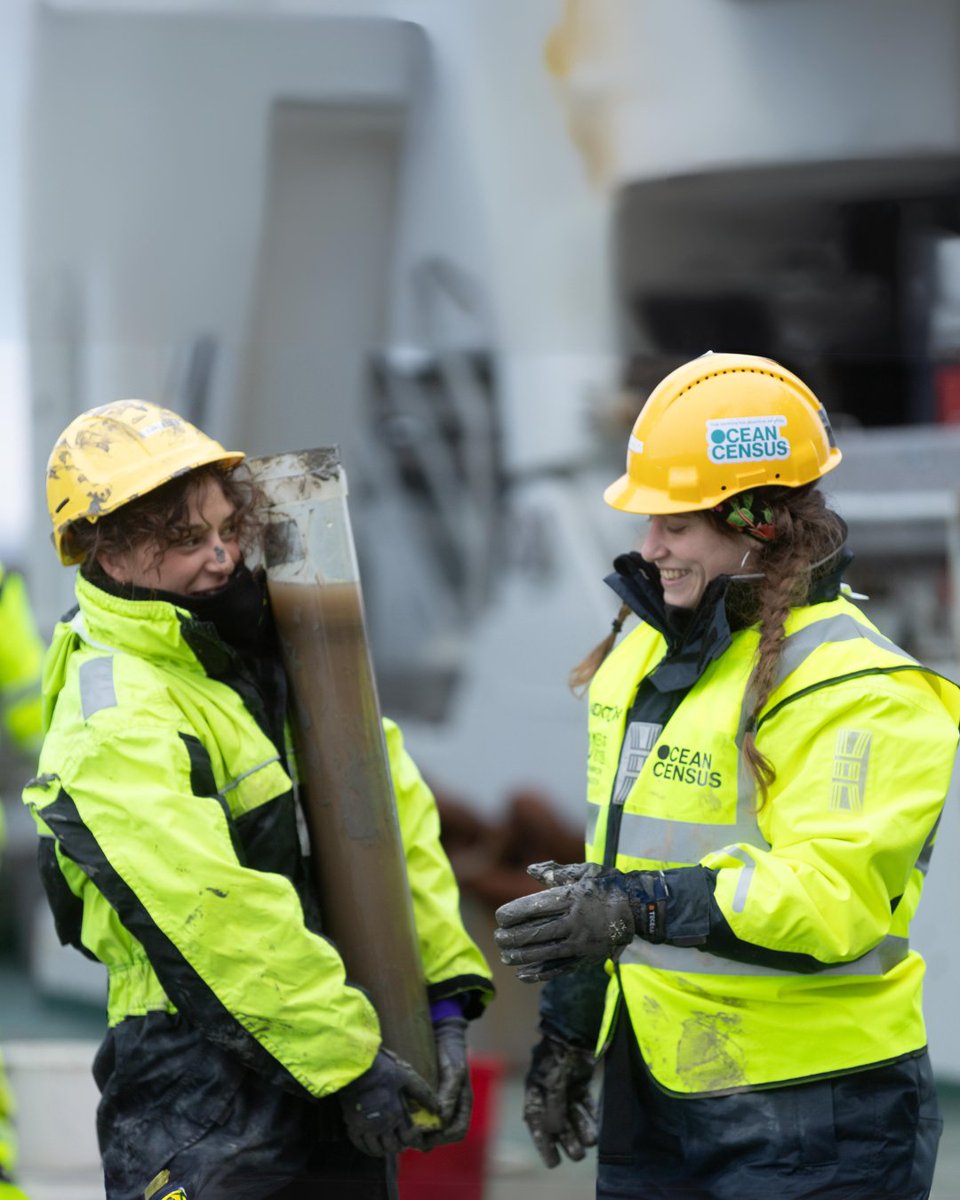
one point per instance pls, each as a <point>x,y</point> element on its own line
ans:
<point>684,960</point>
<point>841,628</point>
<point>798,647</point>
<point>746,876</point>
<point>96,686</point>
<point>228,787</point>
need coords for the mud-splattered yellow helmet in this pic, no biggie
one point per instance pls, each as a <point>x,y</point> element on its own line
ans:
<point>110,455</point>
<point>719,425</point>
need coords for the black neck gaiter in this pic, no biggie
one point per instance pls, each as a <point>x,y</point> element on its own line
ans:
<point>239,611</point>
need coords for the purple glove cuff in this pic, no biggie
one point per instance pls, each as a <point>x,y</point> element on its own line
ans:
<point>449,1007</point>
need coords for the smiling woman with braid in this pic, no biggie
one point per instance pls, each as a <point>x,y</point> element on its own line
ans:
<point>765,777</point>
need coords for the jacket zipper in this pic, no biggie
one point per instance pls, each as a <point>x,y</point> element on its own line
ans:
<point>612,841</point>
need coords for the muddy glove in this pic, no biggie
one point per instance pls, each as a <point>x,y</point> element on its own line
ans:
<point>587,917</point>
<point>375,1109</point>
<point>454,1092</point>
<point>557,1106</point>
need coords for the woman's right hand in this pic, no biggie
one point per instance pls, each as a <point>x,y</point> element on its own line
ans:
<point>586,917</point>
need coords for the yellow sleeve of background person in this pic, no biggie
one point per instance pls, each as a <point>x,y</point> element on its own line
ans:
<point>21,664</point>
<point>451,959</point>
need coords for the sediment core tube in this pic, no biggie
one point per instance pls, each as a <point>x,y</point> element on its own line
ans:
<point>345,785</point>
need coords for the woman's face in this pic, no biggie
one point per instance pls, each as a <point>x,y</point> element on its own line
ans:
<point>689,551</point>
<point>202,558</point>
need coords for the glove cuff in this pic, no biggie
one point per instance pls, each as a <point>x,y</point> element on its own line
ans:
<point>673,905</point>
<point>450,1006</point>
<point>549,1034</point>
<point>649,894</point>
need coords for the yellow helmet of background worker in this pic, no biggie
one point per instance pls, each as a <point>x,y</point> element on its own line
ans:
<point>719,425</point>
<point>110,455</point>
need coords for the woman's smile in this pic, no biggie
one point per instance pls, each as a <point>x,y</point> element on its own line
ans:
<point>689,550</point>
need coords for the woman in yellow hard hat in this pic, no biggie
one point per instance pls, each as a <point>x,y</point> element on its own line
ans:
<point>765,776</point>
<point>240,1062</point>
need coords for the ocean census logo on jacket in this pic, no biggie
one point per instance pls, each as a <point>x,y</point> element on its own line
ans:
<point>685,765</point>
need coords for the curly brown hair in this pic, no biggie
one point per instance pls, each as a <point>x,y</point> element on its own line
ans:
<point>808,533</point>
<point>160,516</point>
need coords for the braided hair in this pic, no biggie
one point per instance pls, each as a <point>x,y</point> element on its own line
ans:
<point>807,533</point>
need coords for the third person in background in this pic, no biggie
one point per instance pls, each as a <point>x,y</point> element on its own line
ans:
<point>765,777</point>
<point>21,664</point>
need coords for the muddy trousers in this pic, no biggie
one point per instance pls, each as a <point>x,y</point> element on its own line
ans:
<point>337,1170</point>
<point>871,1135</point>
<point>178,1114</point>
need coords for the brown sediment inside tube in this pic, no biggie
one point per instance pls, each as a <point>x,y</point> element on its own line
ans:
<point>350,808</point>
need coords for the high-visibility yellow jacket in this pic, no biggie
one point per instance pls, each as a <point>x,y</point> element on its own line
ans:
<point>168,833</point>
<point>21,664</point>
<point>8,1144</point>
<point>828,870</point>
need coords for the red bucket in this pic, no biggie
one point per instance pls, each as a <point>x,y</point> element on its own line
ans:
<point>458,1172</point>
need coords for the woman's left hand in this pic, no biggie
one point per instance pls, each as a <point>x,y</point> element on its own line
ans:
<point>454,1090</point>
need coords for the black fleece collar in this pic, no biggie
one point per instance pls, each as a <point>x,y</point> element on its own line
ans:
<point>238,611</point>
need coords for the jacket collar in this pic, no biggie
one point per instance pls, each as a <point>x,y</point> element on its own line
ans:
<point>163,632</point>
<point>147,628</point>
<point>151,628</point>
<point>695,642</point>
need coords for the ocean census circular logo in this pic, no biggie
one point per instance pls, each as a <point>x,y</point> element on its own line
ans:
<point>747,439</point>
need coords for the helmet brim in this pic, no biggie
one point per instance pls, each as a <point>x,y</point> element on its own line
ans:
<point>626,495</point>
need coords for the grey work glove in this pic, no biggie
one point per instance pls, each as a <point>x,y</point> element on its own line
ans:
<point>454,1091</point>
<point>557,1106</point>
<point>375,1105</point>
<point>588,915</point>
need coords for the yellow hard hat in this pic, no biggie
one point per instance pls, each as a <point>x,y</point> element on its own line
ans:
<point>110,455</point>
<point>719,425</point>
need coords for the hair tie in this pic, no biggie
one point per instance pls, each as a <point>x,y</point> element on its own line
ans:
<point>616,624</point>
